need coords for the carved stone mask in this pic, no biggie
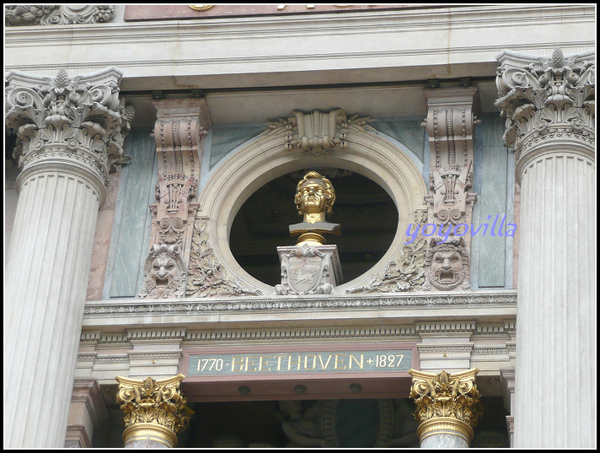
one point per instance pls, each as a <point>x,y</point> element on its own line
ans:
<point>164,273</point>
<point>447,263</point>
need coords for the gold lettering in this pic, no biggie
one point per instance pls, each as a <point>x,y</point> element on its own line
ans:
<point>260,363</point>
<point>233,360</point>
<point>360,364</point>
<point>324,366</point>
<point>279,357</point>
<point>251,359</point>
<point>314,362</point>
<point>336,362</point>
<point>298,362</point>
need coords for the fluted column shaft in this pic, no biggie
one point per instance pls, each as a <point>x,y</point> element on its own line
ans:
<point>548,103</point>
<point>69,133</point>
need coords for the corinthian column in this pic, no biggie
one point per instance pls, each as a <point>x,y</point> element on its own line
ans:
<point>549,106</point>
<point>70,131</point>
<point>447,408</point>
<point>155,411</point>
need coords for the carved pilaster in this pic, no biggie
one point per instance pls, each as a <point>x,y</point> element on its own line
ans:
<point>179,132</point>
<point>57,14</point>
<point>155,411</point>
<point>547,100</point>
<point>450,125</point>
<point>447,404</point>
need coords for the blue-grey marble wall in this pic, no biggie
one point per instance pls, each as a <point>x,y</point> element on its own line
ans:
<point>491,262</point>
<point>131,226</point>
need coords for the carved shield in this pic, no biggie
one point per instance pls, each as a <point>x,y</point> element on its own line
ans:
<point>305,273</point>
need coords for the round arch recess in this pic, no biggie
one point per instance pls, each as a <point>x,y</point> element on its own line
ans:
<point>266,158</point>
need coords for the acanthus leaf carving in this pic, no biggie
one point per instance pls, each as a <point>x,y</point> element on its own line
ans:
<point>207,276</point>
<point>19,15</point>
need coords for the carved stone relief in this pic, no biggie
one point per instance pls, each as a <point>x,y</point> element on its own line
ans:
<point>16,15</point>
<point>407,272</point>
<point>79,119</point>
<point>317,132</point>
<point>546,98</point>
<point>179,132</point>
<point>164,273</point>
<point>207,276</point>
<point>447,264</point>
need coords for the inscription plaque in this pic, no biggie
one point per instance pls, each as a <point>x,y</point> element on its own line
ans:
<point>300,362</point>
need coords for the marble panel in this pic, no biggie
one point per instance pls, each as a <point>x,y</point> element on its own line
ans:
<point>132,226</point>
<point>227,138</point>
<point>407,131</point>
<point>491,169</point>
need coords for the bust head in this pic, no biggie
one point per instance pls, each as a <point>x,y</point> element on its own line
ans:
<point>314,194</point>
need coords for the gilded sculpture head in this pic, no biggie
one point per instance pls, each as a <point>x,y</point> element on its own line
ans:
<point>447,263</point>
<point>314,194</point>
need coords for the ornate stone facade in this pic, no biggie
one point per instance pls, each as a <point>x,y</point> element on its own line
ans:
<point>16,15</point>
<point>179,132</point>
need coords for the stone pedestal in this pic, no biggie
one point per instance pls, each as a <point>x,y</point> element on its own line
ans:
<point>549,105</point>
<point>70,131</point>
<point>447,408</point>
<point>155,411</point>
<point>309,269</point>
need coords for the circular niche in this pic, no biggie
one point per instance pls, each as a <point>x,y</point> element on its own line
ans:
<point>366,213</point>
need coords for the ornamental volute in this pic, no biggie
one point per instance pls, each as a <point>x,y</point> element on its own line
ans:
<point>155,410</point>
<point>548,103</point>
<point>77,124</point>
<point>446,403</point>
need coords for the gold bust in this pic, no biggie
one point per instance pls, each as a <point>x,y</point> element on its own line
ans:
<point>314,198</point>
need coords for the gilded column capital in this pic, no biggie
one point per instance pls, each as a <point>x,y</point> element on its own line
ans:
<point>547,100</point>
<point>446,403</point>
<point>154,410</point>
<point>79,123</point>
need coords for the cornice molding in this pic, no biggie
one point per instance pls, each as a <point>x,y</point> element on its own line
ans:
<point>185,307</point>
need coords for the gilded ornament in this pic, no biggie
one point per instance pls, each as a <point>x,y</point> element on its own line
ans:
<point>446,402</point>
<point>153,408</point>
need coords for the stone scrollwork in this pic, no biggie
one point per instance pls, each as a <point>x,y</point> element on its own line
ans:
<point>546,98</point>
<point>79,119</point>
<point>153,406</point>
<point>207,276</point>
<point>16,15</point>
<point>444,399</point>
<point>317,132</point>
<point>164,273</point>
<point>407,272</point>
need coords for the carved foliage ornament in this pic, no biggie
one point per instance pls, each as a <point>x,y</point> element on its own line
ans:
<point>540,94</point>
<point>407,272</point>
<point>16,15</point>
<point>79,118</point>
<point>317,132</point>
<point>207,276</point>
<point>158,402</point>
<point>445,395</point>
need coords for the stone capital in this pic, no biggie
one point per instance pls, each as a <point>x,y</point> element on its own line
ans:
<point>446,403</point>
<point>548,103</point>
<point>155,410</point>
<point>75,124</point>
